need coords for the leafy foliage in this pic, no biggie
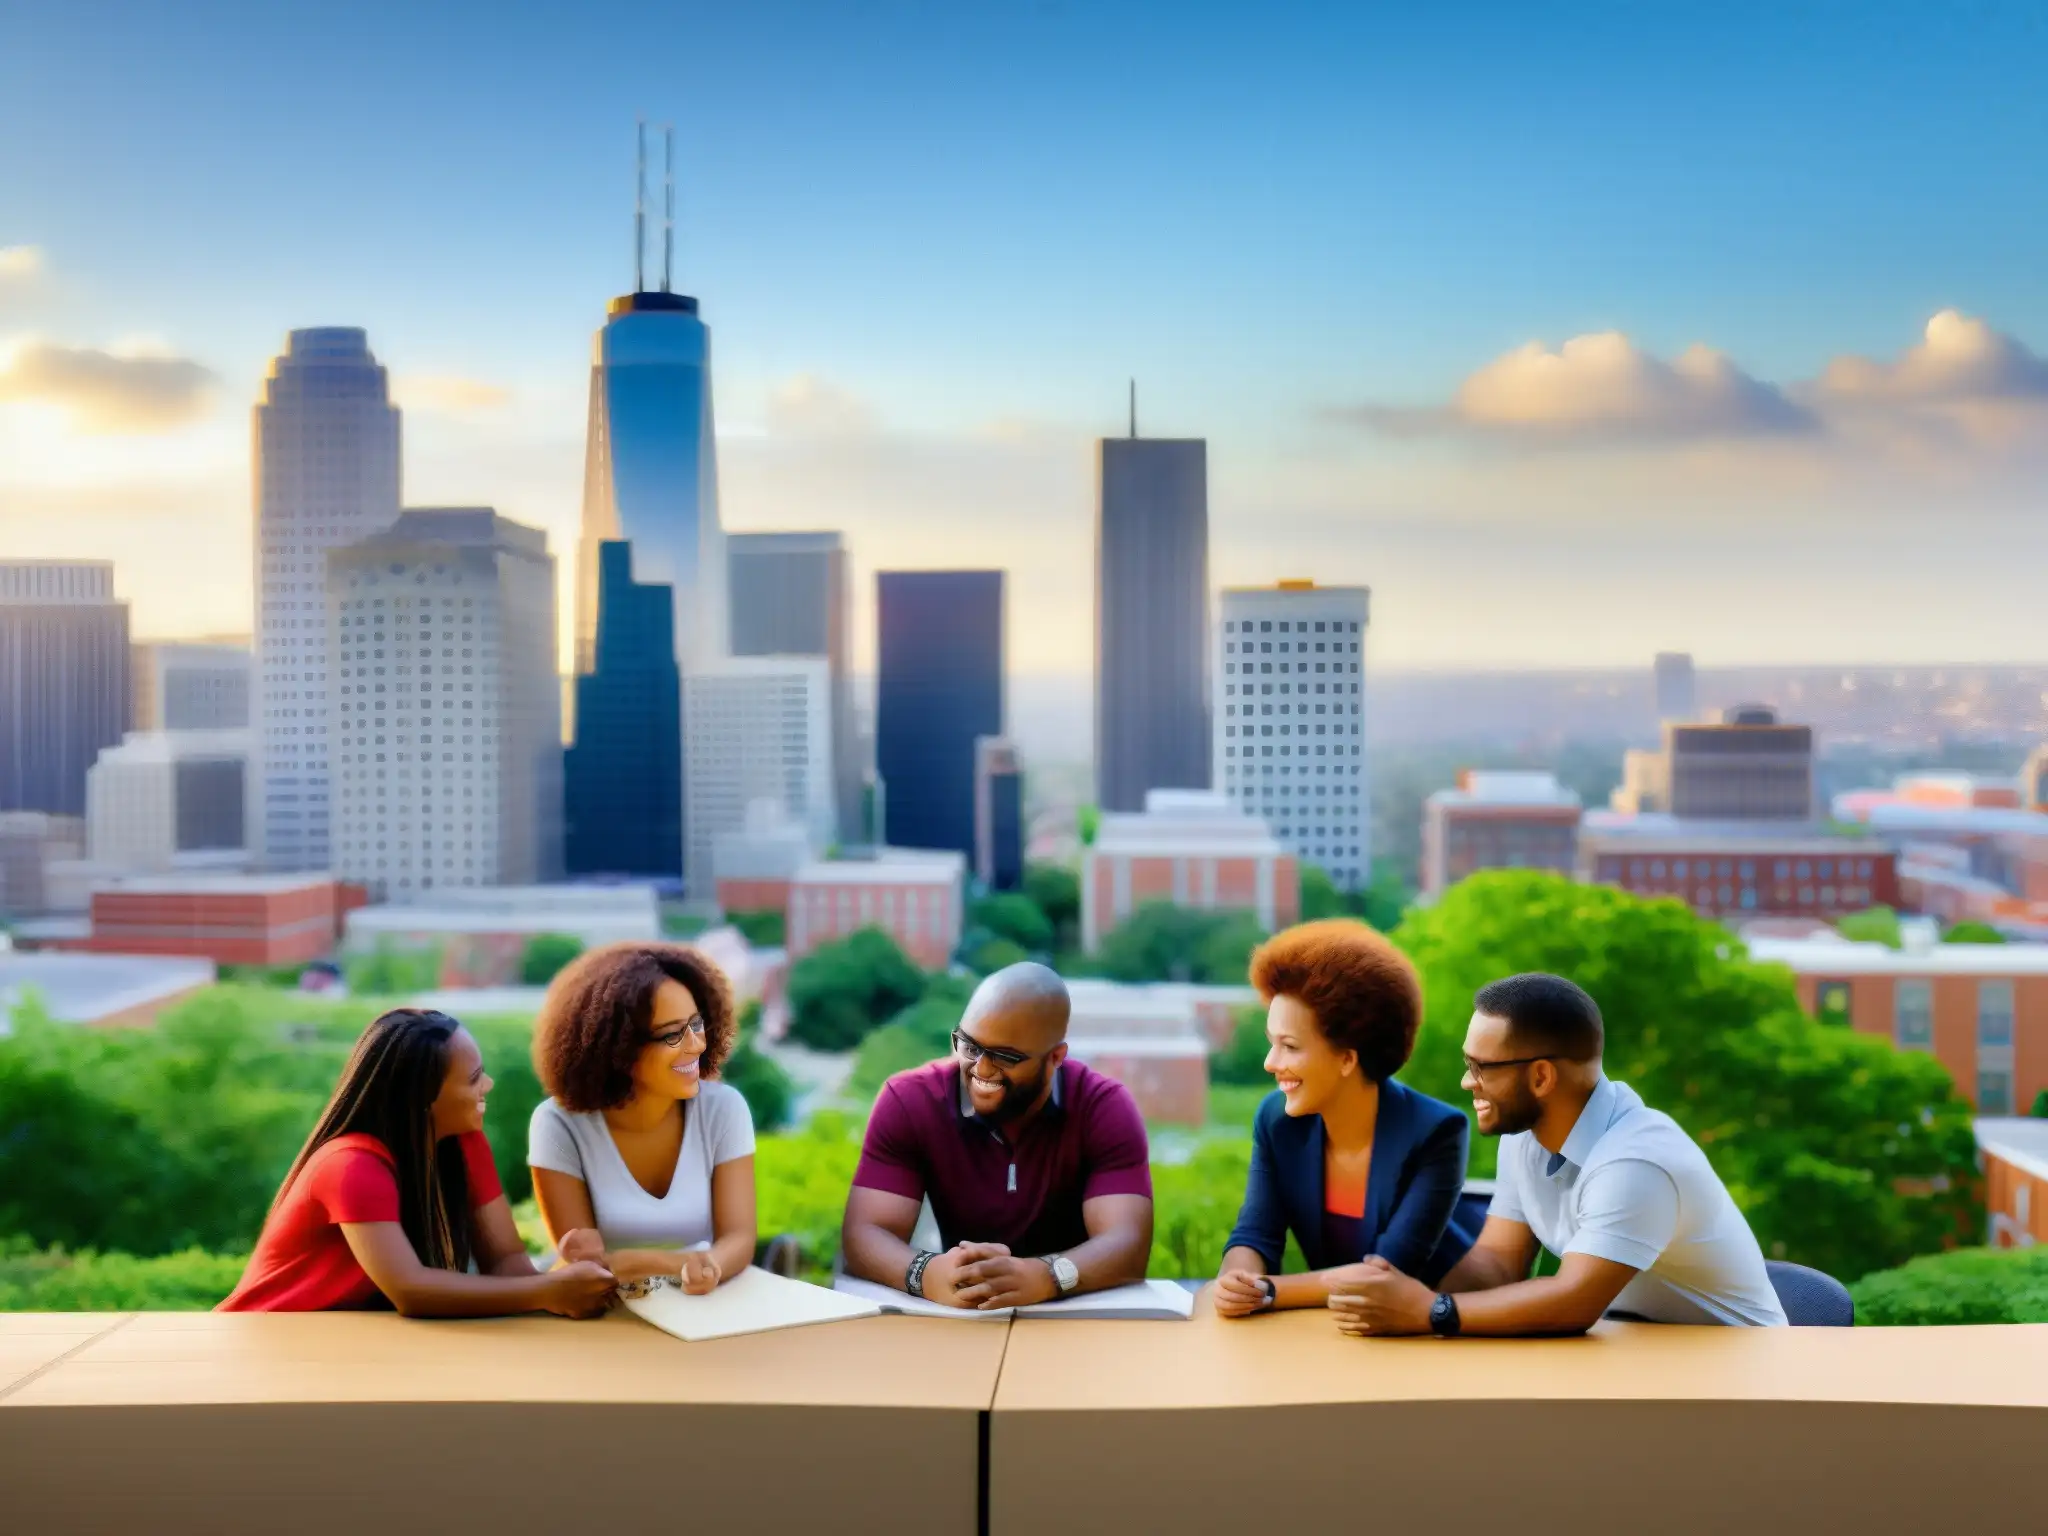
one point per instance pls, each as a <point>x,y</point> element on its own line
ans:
<point>761,930</point>
<point>920,1033</point>
<point>1972,932</point>
<point>1845,1154</point>
<point>1970,1285</point>
<point>1056,891</point>
<point>842,991</point>
<point>56,1281</point>
<point>769,1090</point>
<point>392,970</point>
<point>1016,918</point>
<point>545,955</point>
<point>801,1182</point>
<point>1163,942</point>
<point>1242,1061</point>
<point>1878,925</point>
<point>994,955</point>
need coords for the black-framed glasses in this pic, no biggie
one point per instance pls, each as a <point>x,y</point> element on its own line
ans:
<point>971,1050</point>
<point>672,1037</point>
<point>1476,1068</point>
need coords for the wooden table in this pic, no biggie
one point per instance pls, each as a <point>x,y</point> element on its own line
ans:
<point>1281,1422</point>
<point>364,1424</point>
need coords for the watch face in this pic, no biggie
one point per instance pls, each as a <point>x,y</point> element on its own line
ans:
<point>1065,1273</point>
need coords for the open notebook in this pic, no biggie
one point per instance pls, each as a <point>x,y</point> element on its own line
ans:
<point>1147,1301</point>
<point>753,1301</point>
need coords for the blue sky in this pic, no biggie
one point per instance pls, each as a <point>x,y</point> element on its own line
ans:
<point>934,218</point>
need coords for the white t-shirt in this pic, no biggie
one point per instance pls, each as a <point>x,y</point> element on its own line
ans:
<point>717,1128</point>
<point>1631,1187</point>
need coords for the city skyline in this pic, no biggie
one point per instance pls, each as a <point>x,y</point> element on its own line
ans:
<point>1713,384</point>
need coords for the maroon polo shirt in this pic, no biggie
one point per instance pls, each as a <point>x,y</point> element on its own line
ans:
<point>924,1141</point>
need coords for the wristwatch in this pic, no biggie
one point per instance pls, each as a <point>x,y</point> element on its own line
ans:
<point>1272,1293</point>
<point>1064,1274</point>
<point>913,1282</point>
<point>1443,1316</point>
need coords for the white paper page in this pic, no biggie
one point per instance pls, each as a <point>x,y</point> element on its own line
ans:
<point>753,1301</point>
<point>1159,1300</point>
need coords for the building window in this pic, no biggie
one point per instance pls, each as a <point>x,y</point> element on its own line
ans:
<point>1994,1092</point>
<point>1913,1015</point>
<point>1994,1015</point>
<point>1831,1002</point>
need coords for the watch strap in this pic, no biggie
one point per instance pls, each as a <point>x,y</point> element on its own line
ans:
<point>913,1280</point>
<point>1443,1316</point>
<point>1272,1293</point>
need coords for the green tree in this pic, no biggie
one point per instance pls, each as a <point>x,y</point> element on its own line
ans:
<point>1878,925</point>
<point>1242,1061</point>
<point>992,955</point>
<point>545,955</point>
<point>1387,897</point>
<point>1844,1153</point>
<point>1056,891</point>
<point>1014,917</point>
<point>842,990</point>
<point>1088,822</point>
<point>392,970</point>
<point>1971,932</point>
<point>761,930</point>
<point>1163,942</point>
<point>770,1092</point>
<point>920,1033</point>
<point>2041,1105</point>
<point>1320,897</point>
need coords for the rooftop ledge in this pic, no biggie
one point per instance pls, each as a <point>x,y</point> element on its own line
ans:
<point>368,1423</point>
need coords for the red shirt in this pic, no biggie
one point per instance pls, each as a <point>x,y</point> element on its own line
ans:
<point>302,1262</point>
<point>925,1141</point>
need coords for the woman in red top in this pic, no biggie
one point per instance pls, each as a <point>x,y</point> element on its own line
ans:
<point>394,1197</point>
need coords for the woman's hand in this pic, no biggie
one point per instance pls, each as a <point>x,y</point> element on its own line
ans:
<point>1239,1293</point>
<point>700,1273</point>
<point>581,1245</point>
<point>582,1289</point>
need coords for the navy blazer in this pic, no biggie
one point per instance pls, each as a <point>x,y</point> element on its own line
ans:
<point>1418,1171</point>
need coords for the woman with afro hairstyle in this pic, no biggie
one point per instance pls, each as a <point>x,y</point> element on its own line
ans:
<point>638,1141</point>
<point>1359,1168</point>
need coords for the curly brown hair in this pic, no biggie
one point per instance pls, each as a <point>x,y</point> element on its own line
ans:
<point>593,1023</point>
<point>1363,991</point>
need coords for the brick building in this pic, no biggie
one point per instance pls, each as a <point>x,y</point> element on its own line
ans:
<point>2014,1155</point>
<point>1736,870</point>
<point>1980,1009</point>
<point>228,919</point>
<point>914,895</point>
<point>1194,849</point>
<point>1498,821</point>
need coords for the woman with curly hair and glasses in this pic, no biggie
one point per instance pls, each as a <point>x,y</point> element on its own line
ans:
<point>394,1197</point>
<point>1359,1168</point>
<point>641,1159</point>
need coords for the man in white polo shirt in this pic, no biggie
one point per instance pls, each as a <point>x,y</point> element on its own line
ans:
<point>1640,1222</point>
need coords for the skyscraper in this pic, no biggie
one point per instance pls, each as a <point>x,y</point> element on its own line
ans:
<point>650,477</point>
<point>939,686</point>
<point>1151,619</point>
<point>1290,740</point>
<point>998,815</point>
<point>1677,696</point>
<point>327,475</point>
<point>191,686</point>
<point>624,775</point>
<point>64,680</point>
<point>449,752</point>
<point>760,729</point>
<point>791,594</point>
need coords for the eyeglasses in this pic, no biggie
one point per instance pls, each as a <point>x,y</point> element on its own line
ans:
<point>1476,1068</point>
<point>672,1037</point>
<point>970,1051</point>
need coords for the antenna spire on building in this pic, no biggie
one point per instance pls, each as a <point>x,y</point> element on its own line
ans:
<point>668,216</point>
<point>640,210</point>
<point>1134,407</point>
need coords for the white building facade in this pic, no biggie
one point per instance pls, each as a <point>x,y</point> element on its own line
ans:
<point>1289,726</point>
<point>164,801</point>
<point>759,729</point>
<point>327,475</point>
<point>446,715</point>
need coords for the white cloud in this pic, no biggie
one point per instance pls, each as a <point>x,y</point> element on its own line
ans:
<point>1958,358</point>
<point>808,406</point>
<point>104,392</point>
<point>1600,389</point>
<point>449,395</point>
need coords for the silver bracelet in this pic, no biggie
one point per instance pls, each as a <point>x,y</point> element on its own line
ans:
<point>633,1290</point>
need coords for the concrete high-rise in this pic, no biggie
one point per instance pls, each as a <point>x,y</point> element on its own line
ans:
<point>1151,619</point>
<point>623,778</point>
<point>998,814</point>
<point>191,686</point>
<point>938,689</point>
<point>446,718</point>
<point>1290,739</point>
<point>791,594</point>
<point>327,476</point>
<point>760,729</point>
<point>1677,689</point>
<point>64,680</point>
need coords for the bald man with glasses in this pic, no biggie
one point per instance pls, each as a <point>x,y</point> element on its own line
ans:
<point>1037,1168</point>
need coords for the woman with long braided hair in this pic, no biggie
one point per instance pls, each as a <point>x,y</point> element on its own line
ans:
<point>394,1199</point>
